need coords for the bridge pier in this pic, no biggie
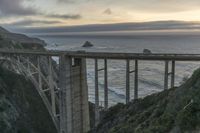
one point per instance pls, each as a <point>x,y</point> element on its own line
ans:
<point>97,115</point>
<point>136,80</point>
<point>81,121</point>
<point>127,81</point>
<point>51,86</point>
<point>96,69</point>
<point>65,94</point>
<point>73,99</point>
<point>39,73</point>
<point>105,84</point>
<point>166,75</point>
<point>173,74</point>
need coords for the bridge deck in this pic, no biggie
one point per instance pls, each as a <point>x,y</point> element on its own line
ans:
<point>107,55</point>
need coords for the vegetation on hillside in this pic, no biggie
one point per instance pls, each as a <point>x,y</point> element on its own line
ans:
<point>19,41</point>
<point>176,110</point>
<point>20,38</point>
<point>12,44</point>
<point>21,108</point>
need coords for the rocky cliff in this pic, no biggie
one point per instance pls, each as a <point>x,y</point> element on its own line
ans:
<point>19,38</point>
<point>21,108</point>
<point>176,110</point>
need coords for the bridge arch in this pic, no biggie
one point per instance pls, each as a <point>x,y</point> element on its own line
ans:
<point>40,81</point>
<point>65,96</point>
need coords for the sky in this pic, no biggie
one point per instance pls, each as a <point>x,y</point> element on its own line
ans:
<point>52,13</point>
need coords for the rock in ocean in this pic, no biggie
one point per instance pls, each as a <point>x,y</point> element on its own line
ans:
<point>87,44</point>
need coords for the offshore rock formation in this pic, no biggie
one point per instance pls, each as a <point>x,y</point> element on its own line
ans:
<point>87,44</point>
<point>146,51</point>
<point>176,110</point>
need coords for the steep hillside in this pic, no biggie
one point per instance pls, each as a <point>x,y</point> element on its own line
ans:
<point>21,108</point>
<point>19,38</point>
<point>2,30</point>
<point>6,42</point>
<point>175,110</point>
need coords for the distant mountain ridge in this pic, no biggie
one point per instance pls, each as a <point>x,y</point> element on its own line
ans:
<point>2,30</point>
<point>20,37</point>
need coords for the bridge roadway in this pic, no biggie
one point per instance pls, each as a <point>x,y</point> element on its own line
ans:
<point>107,55</point>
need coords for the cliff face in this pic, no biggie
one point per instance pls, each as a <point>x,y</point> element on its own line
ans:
<point>21,108</point>
<point>19,38</point>
<point>176,110</point>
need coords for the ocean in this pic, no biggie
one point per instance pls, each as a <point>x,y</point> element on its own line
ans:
<point>151,73</point>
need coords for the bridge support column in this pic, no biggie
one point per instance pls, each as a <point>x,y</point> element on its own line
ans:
<point>65,94</point>
<point>97,115</point>
<point>28,65</point>
<point>173,74</point>
<point>105,84</point>
<point>39,73</point>
<point>166,75</point>
<point>127,81</point>
<point>136,80</point>
<point>51,87</point>
<point>81,121</point>
<point>74,107</point>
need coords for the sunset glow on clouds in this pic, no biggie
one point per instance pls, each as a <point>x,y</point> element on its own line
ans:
<point>43,13</point>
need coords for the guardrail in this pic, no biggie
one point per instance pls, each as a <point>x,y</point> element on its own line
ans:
<point>107,55</point>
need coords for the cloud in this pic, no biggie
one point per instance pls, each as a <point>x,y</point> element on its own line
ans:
<point>159,6</point>
<point>64,16</point>
<point>30,23</point>
<point>65,1</point>
<point>108,11</point>
<point>76,2</point>
<point>15,7</point>
<point>145,26</point>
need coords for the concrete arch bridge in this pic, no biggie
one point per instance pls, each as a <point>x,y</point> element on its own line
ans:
<point>63,87</point>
